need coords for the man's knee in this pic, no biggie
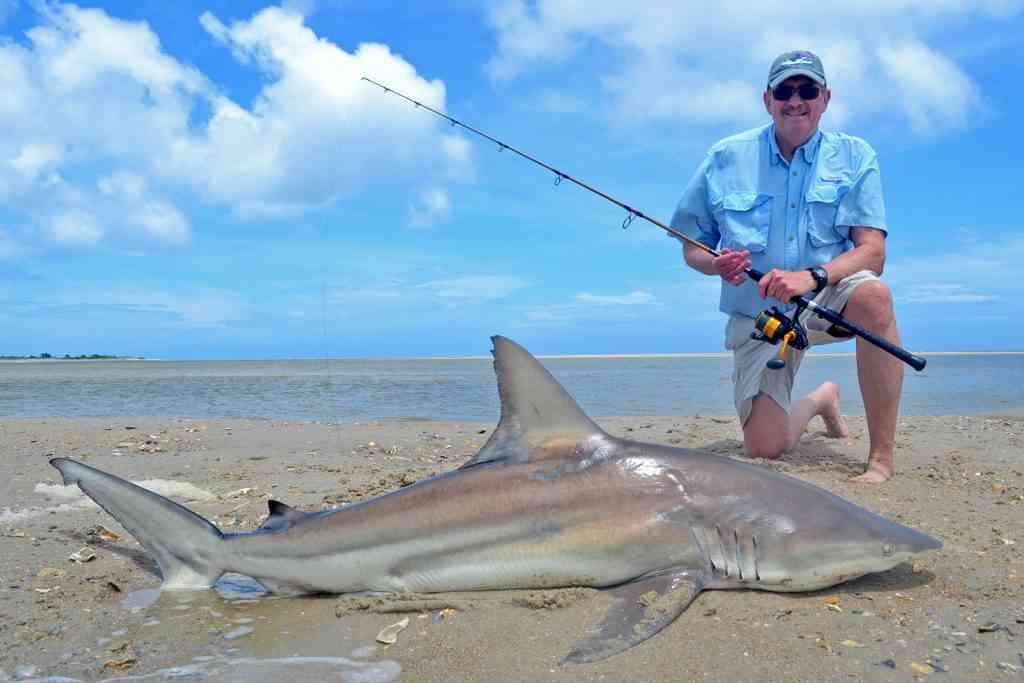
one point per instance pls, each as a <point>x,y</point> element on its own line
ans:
<point>765,431</point>
<point>871,304</point>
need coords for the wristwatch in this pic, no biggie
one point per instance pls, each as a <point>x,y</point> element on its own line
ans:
<point>820,276</point>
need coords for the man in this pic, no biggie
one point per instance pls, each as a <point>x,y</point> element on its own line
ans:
<point>805,208</point>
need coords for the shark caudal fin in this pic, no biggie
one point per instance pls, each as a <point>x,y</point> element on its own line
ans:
<point>539,419</point>
<point>185,546</point>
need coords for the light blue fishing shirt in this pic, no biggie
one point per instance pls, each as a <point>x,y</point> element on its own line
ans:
<point>790,215</point>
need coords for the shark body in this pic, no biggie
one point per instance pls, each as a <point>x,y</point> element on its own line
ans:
<point>550,500</point>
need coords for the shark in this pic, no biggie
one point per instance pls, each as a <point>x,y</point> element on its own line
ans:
<point>550,500</point>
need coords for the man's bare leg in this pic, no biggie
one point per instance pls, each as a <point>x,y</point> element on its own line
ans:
<point>769,431</point>
<point>880,376</point>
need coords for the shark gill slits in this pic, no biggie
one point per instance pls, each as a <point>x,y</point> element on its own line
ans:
<point>757,570</point>
<point>736,547</point>
<point>721,545</point>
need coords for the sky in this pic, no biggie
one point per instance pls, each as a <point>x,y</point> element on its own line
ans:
<point>212,179</point>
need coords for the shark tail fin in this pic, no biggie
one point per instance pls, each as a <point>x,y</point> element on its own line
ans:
<point>539,418</point>
<point>187,548</point>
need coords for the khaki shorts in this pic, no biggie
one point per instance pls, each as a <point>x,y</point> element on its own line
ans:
<point>750,376</point>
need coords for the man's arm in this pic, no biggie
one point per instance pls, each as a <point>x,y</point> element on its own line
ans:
<point>868,253</point>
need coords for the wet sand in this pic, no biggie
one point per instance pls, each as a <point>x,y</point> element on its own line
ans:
<point>955,614</point>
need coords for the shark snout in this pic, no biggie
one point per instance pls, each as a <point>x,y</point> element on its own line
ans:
<point>910,541</point>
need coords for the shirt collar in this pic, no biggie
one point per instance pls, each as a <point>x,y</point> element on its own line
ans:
<point>809,149</point>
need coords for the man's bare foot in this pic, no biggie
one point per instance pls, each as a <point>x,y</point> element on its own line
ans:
<point>875,474</point>
<point>835,425</point>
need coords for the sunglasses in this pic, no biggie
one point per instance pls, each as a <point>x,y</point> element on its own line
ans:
<point>807,91</point>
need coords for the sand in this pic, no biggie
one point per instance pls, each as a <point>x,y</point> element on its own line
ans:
<point>954,614</point>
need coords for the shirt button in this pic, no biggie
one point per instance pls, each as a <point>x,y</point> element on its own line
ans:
<point>792,205</point>
<point>795,173</point>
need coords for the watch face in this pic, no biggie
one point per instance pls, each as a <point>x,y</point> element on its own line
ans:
<point>820,278</point>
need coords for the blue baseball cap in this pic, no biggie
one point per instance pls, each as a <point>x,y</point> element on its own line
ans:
<point>796,63</point>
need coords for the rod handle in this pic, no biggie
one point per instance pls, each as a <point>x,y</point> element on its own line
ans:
<point>916,362</point>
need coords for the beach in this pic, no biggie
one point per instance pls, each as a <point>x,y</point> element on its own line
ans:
<point>956,613</point>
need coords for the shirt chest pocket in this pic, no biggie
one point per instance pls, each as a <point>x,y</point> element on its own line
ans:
<point>822,206</point>
<point>744,220</point>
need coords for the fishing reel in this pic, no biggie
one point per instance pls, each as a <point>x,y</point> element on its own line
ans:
<point>774,326</point>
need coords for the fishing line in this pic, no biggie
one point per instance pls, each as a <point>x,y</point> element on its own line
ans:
<point>773,326</point>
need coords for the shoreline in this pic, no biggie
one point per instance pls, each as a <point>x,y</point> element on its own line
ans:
<point>570,356</point>
<point>956,610</point>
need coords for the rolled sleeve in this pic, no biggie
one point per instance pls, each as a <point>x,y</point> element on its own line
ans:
<point>693,214</point>
<point>863,204</point>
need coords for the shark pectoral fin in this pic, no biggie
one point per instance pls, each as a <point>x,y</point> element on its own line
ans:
<point>642,609</point>
<point>281,516</point>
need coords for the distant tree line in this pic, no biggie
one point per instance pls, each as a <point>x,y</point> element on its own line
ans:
<point>66,356</point>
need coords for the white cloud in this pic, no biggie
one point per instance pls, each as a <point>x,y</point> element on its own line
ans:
<point>71,227</point>
<point>525,37</point>
<point>682,62</point>
<point>373,295</point>
<point>945,293</point>
<point>935,93</point>
<point>401,293</point>
<point>314,133</point>
<point>85,91</point>
<point>431,208</point>
<point>102,127</point>
<point>199,307</point>
<point>34,158</point>
<point>473,288</point>
<point>156,219</point>
<point>632,299</point>
<point>967,270</point>
<point>587,306</point>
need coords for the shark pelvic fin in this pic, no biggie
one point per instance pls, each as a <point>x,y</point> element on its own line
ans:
<point>642,608</point>
<point>539,419</point>
<point>281,516</point>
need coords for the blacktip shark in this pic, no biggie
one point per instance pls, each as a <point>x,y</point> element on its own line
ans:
<point>550,500</point>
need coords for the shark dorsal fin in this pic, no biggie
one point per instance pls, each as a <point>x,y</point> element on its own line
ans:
<point>539,419</point>
<point>281,516</point>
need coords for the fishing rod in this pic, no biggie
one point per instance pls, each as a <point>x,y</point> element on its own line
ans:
<point>772,325</point>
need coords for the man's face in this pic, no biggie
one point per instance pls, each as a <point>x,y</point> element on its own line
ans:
<point>796,119</point>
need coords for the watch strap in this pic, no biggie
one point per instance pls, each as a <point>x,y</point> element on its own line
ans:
<point>820,276</point>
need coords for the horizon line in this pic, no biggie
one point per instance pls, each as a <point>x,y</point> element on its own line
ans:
<point>557,356</point>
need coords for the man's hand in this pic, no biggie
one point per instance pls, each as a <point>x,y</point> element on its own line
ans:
<point>730,266</point>
<point>785,284</point>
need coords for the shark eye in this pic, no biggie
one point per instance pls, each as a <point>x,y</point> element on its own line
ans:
<point>888,549</point>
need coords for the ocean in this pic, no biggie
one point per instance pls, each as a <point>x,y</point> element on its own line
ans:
<point>347,390</point>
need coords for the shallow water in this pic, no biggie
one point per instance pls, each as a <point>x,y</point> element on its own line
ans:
<point>463,389</point>
<point>239,634</point>
<point>257,670</point>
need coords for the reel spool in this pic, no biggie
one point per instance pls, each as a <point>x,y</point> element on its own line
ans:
<point>774,326</point>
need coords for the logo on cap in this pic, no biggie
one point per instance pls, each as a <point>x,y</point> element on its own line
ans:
<point>798,59</point>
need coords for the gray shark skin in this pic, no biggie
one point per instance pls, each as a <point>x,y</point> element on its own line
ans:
<point>550,500</point>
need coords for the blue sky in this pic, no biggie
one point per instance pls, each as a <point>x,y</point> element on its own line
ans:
<point>212,180</point>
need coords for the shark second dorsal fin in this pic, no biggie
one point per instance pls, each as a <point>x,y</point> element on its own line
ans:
<point>281,516</point>
<point>539,419</point>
